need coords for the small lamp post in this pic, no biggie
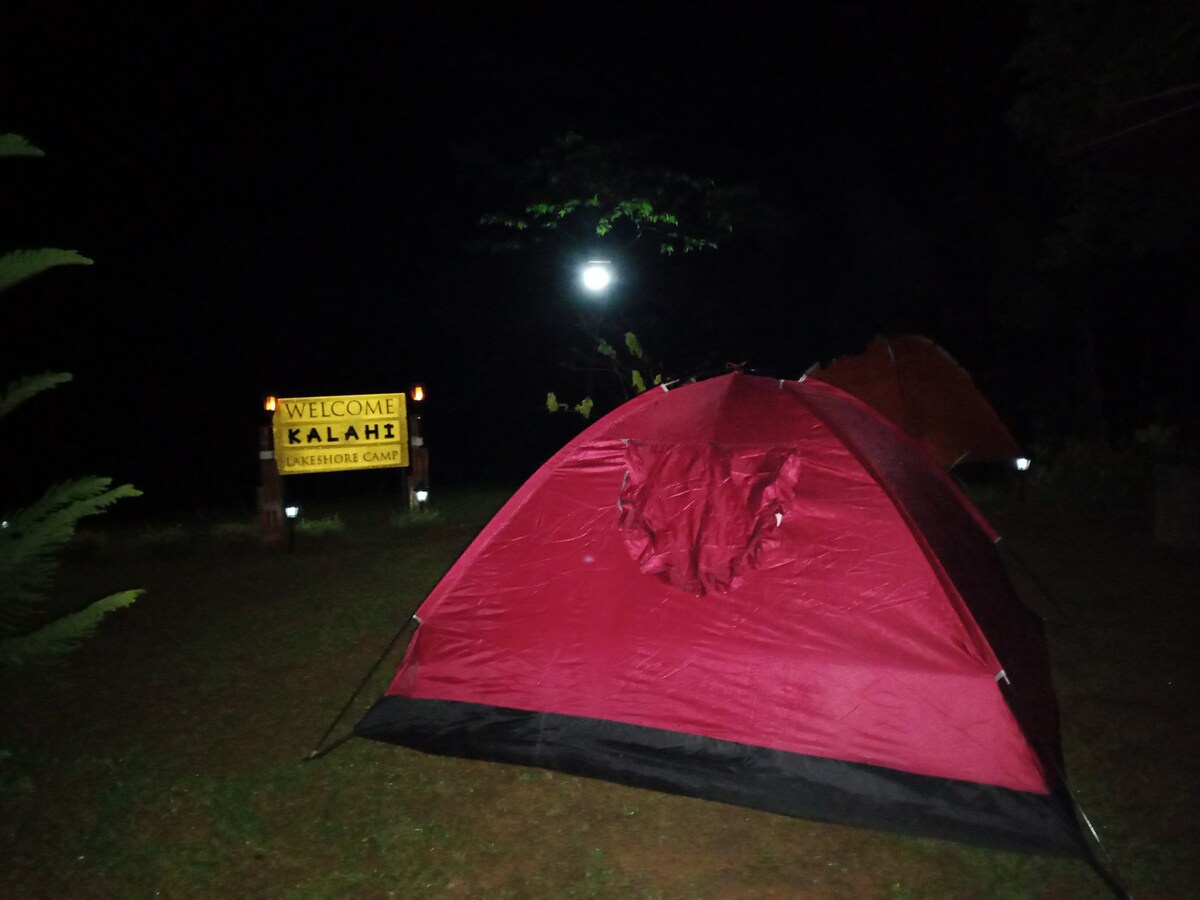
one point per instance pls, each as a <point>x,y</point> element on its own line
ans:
<point>291,514</point>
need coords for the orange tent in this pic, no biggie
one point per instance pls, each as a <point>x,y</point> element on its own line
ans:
<point>919,386</point>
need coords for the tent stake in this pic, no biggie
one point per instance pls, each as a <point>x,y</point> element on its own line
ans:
<point>320,750</point>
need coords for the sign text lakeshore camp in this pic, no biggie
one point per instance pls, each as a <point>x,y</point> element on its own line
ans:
<point>332,434</point>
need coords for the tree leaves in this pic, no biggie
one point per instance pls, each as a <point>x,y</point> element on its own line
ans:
<point>634,346</point>
<point>63,634</point>
<point>616,189</point>
<point>17,265</point>
<point>23,388</point>
<point>579,199</point>
<point>583,407</point>
<point>623,368</point>
<point>16,145</point>
<point>1094,80</point>
<point>32,538</point>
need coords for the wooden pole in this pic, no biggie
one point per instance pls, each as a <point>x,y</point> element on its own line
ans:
<point>418,462</point>
<point>270,490</point>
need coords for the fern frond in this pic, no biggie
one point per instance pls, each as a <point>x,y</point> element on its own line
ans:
<point>17,265</point>
<point>62,635</point>
<point>71,500</point>
<point>17,145</point>
<point>17,392</point>
<point>34,535</point>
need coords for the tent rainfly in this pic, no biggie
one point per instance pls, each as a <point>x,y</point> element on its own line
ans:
<point>754,591</point>
<point>919,386</point>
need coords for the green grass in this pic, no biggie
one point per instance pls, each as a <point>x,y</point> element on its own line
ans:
<point>167,757</point>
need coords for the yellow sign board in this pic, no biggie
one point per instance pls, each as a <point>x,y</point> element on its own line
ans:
<point>333,434</point>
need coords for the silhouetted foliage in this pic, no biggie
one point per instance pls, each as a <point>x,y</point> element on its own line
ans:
<point>1111,99</point>
<point>32,538</point>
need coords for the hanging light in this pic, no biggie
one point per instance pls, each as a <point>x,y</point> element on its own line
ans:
<point>596,275</point>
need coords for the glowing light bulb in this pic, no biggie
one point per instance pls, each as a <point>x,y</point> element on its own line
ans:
<point>597,275</point>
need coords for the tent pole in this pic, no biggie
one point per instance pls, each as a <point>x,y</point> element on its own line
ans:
<point>1006,552</point>
<point>320,750</point>
<point>1097,855</point>
<point>1101,862</point>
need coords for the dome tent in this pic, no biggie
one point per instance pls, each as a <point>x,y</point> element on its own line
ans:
<point>753,591</point>
<point>916,384</point>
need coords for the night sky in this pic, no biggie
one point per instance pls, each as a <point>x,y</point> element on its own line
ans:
<point>288,203</point>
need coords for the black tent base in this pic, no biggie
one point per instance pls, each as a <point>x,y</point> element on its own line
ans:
<point>776,781</point>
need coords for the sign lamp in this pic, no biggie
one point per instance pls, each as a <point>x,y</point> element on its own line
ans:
<point>597,275</point>
<point>418,393</point>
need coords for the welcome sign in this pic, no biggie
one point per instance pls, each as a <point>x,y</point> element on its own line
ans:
<point>333,434</point>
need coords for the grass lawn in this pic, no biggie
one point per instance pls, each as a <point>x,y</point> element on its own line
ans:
<point>166,757</point>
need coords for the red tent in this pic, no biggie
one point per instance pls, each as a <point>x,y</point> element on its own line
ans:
<point>755,591</point>
<point>920,387</point>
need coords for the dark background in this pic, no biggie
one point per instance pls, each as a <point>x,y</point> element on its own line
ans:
<point>287,202</point>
